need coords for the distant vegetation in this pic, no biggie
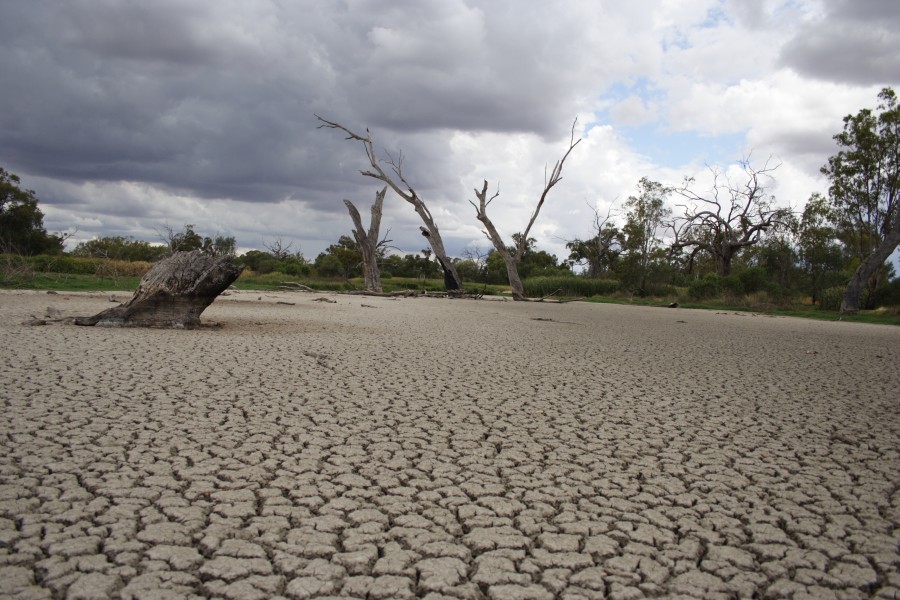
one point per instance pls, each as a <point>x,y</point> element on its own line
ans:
<point>728,246</point>
<point>69,273</point>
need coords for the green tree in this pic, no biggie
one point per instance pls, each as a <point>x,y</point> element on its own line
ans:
<point>534,262</point>
<point>819,253</point>
<point>188,240</point>
<point>538,263</point>
<point>120,248</point>
<point>259,261</point>
<point>468,269</point>
<point>644,216</point>
<point>865,178</point>
<point>22,222</point>
<point>600,255</point>
<point>342,259</point>
<point>430,269</point>
<point>220,245</point>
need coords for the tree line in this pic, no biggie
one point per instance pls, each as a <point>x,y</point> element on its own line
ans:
<point>730,236</point>
<point>845,237</point>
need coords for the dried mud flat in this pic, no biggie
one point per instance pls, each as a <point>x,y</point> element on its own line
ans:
<point>378,448</point>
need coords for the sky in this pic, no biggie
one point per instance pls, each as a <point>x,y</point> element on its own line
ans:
<point>127,116</point>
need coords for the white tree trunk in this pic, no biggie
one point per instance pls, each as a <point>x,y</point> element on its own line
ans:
<point>368,241</point>
<point>451,277</point>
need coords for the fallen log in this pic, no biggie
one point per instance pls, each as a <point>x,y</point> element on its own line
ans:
<point>172,294</point>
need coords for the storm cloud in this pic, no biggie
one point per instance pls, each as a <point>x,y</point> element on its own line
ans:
<point>126,115</point>
<point>853,42</point>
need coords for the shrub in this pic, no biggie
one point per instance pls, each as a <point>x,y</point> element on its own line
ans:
<point>709,286</point>
<point>297,269</point>
<point>889,293</point>
<point>830,299</point>
<point>569,286</point>
<point>733,285</point>
<point>661,290</point>
<point>753,279</point>
<point>14,269</point>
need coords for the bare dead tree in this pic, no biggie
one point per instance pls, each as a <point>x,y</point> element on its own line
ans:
<point>168,236</point>
<point>430,230</point>
<point>281,250</point>
<point>729,217</point>
<point>601,251</point>
<point>477,256</point>
<point>368,241</point>
<point>512,258</point>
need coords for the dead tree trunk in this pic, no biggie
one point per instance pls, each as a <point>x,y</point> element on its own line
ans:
<point>451,278</point>
<point>368,241</point>
<point>173,293</point>
<point>509,259</point>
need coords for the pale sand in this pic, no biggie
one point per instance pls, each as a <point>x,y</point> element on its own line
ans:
<point>456,448</point>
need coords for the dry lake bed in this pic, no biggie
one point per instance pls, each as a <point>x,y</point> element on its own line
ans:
<point>420,447</point>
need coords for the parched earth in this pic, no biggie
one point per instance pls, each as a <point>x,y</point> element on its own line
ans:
<point>376,448</point>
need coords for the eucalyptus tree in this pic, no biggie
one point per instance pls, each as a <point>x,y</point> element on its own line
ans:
<point>728,217</point>
<point>645,215</point>
<point>818,249</point>
<point>599,254</point>
<point>22,222</point>
<point>865,180</point>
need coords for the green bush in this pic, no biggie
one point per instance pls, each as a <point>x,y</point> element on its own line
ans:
<point>74,265</point>
<point>537,287</point>
<point>732,285</point>
<point>661,290</point>
<point>889,293</point>
<point>753,279</point>
<point>64,264</point>
<point>830,299</point>
<point>710,286</point>
<point>297,269</point>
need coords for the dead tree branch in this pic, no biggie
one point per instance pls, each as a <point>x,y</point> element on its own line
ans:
<point>512,259</point>
<point>368,240</point>
<point>430,229</point>
<point>728,217</point>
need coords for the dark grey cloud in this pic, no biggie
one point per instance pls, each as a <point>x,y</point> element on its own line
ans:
<point>125,115</point>
<point>218,98</point>
<point>856,41</point>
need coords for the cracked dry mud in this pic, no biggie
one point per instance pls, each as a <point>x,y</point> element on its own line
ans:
<point>447,449</point>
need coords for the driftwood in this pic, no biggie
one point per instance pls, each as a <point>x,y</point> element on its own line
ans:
<point>292,286</point>
<point>173,293</point>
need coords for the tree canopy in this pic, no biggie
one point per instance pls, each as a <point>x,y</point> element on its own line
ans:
<point>865,180</point>
<point>22,222</point>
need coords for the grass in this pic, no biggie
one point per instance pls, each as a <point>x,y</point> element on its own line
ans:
<point>69,282</point>
<point>25,278</point>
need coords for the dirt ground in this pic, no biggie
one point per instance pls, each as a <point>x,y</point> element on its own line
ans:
<point>420,447</point>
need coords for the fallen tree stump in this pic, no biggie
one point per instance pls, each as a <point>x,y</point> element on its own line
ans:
<point>173,293</point>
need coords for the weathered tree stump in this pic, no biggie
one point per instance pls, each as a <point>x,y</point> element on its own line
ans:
<point>173,293</point>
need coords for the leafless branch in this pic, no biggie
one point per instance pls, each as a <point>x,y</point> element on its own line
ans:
<point>405,191</point>
<point>733,216</point>
<point>555,177</point>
